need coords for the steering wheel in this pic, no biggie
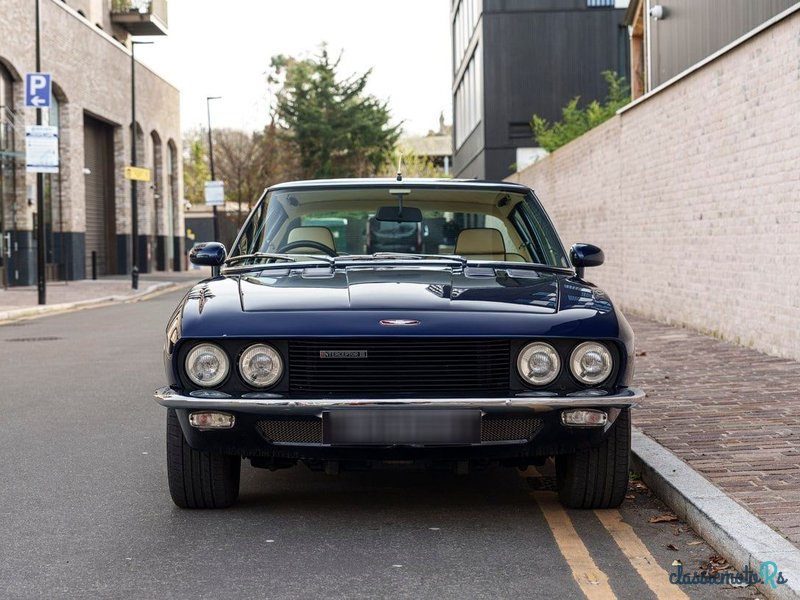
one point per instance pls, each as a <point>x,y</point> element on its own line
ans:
<point>307,244</point>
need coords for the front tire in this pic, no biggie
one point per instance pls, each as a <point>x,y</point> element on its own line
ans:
<point>199,478</point>
<point>597,477</point>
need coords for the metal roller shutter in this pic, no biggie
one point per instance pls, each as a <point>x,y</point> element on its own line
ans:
<point>100,230</point>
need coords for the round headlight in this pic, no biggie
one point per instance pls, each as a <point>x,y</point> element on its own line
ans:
<point>207,365</point>
<point>538,363</point>
<point>260,365</point>
<point>591,363</point>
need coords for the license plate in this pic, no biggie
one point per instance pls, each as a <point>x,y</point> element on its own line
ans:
<point>389,426</point>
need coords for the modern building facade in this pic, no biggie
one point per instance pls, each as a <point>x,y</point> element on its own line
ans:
<point>669,36</point>
<point>86,46</point>
<point>516,58</point>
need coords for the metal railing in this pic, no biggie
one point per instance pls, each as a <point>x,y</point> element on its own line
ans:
<point>156,8</point>
<point>10,123</point>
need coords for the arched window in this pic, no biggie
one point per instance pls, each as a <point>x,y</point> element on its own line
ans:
<point>7,167</point>
<point>171,199</point>
<point>157,183</point>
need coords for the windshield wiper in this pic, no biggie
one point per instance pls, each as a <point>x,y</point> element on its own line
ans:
<point>509,265</point>
<point>275,256</point>
<point>303,260</point>
<point>405,256</point>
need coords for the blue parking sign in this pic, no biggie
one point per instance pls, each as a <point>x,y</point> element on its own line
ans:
<point>37,90</point>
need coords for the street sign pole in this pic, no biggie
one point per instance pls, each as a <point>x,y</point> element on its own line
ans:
<point>134,199</point>
<point>41,253</point>
<point>211,162</point>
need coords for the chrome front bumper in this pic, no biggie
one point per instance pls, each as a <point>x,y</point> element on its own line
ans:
<point>168,397</point>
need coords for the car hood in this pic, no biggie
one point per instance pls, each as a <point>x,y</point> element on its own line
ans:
<point>400,289</point>
<point>353,302</point>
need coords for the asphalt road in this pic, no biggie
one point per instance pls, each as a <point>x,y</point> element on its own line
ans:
<point>85,511</point>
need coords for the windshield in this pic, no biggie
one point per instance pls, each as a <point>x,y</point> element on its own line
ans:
<point>476,224</point>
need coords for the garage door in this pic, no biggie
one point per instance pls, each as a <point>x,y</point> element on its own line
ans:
<point>98,144</point>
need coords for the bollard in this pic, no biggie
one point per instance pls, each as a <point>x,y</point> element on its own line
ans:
<point>94,264</point>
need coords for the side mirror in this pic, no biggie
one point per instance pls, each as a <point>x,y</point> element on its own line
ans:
<point>209,254</point>
<point>585,255</point>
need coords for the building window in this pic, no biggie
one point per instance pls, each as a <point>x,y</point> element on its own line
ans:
<point>7,163</point>
<point>173,210</point>
<point>600,3</point>
<point>469,98</point>
<point>464,25</point>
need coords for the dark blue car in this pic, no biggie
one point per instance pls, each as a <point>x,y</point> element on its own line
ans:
<point>493,349</point>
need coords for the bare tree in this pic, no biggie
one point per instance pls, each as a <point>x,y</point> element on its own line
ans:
<point>239,163</point>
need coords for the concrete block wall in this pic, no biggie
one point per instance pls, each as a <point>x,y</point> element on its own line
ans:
<point>694,195</point>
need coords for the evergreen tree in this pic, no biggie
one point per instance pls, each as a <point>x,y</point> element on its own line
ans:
<point>337,129</point>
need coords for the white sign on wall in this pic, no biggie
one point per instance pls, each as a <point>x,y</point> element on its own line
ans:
<point>41,149</point>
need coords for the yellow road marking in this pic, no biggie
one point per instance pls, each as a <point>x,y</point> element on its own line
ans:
<point>656,578</point>
<point>592,581</point>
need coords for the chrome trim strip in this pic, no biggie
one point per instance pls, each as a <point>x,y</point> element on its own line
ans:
<point>168,397</point>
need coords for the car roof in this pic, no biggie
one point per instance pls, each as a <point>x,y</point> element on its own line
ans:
<point>471,184</point>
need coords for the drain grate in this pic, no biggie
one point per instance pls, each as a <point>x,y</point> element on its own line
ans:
<point>34,339</point>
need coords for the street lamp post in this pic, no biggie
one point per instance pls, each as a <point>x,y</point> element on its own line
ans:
<point>134,197</point>
<point>41,241</point>
<point>211,160</point>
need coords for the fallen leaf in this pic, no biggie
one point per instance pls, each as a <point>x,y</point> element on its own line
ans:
<point>672,547</point>
<point>695,543</point>
<point>716,564</point>
<point>641,354</point>
<point>665,518</point>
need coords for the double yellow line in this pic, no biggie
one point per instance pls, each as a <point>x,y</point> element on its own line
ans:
<point>591,579</point>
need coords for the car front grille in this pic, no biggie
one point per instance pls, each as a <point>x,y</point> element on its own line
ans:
<point>506,429</point>
<point>308,430</point>
<point>399,366</point>
<point>292,431</point>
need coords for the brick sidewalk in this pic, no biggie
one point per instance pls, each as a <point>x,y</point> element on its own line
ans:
<point>730,412</point>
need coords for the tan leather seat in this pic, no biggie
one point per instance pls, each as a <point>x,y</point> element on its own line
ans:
<point>321,235</point>
<point>482,244</point>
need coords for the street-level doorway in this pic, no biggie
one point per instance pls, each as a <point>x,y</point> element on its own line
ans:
<point>98,146</point>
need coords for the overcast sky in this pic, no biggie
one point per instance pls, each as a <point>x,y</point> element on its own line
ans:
<point>223,49</point>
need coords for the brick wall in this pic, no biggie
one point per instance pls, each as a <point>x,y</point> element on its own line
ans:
<point>91,70</point>
<point>694,195</point>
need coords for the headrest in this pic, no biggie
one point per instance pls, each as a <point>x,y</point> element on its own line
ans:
<point>486,241</point>
<point>322,235</point>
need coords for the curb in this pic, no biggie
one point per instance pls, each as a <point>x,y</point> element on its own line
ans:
<point>31,312</point>
<point>738,535</point>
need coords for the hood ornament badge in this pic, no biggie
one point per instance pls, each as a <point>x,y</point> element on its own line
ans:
<point>203,294</point>
<point>399,322</point>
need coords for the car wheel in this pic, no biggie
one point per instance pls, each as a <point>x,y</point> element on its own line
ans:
<point>198,478</point>
<point>597,477</point>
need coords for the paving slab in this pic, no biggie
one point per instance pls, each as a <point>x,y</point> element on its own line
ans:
<point>22,302</point>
